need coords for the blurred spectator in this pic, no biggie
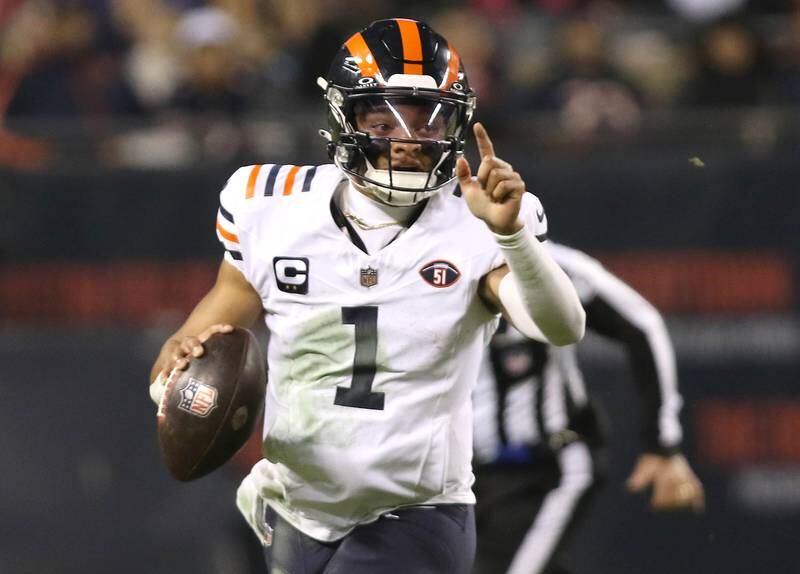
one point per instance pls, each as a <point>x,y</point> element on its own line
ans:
<point>59,60</point>
<point>7,8</point>
<point>733,67</point>
<point>499,10</point>
<point>332,26</point>
<point>168,61</point>
<point>705,10</point>
<point>205,97</point>
<point>212,82</point>
<point>652,59</point>
<point>152,65</point>
<point>478,50</point>
<point>65,69</point>
<point>585,90</point>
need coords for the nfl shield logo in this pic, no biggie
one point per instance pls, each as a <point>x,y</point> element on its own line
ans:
<point>198,398</point>
<point>369,277</point>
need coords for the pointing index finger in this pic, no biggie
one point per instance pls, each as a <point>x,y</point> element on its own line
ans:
<point>485,147</point>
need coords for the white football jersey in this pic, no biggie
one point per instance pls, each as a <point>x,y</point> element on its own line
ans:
<point>371,357</point>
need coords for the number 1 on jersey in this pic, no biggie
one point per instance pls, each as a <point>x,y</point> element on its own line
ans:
<point>359,394</point>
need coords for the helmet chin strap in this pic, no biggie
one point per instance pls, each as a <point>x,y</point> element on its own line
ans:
<point>384,182</point>
<point>392,179</point>
<point>391,197</point>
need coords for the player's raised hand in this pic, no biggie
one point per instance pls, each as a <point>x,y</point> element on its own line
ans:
<point>494,194</point>
<point>674,484</point>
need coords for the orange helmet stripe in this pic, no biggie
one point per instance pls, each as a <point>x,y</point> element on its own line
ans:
<point>287,187</point>
<point>358,48</point>
<point>251,181</point>
<point>412,46</point>
<point>453,64</point>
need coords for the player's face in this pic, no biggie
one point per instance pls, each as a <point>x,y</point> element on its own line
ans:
<point>403,121</point>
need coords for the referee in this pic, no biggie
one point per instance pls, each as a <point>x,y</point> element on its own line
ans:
<point>538,441</point>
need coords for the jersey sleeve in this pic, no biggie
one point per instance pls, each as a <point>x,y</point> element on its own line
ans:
<point>230,215</point>
<point>533,216</point>
<point>617,311</point>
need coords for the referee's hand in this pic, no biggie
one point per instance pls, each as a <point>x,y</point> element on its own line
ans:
<point>675,486</point>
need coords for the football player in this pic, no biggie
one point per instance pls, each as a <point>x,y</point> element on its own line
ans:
<point>538,441</point>
<point>381,278</point>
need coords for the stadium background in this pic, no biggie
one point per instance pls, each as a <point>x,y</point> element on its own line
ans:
<point>661,136</point>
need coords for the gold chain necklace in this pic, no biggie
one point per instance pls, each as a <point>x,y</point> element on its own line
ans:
<point>368,226</point>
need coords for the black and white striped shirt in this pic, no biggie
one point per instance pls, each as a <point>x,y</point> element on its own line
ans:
<point>529,393</point>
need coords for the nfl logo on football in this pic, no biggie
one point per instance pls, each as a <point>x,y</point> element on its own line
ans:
<point>198,398</point>
<point>369,277</point>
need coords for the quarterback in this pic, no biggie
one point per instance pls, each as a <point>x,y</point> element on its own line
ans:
<point>381,278</point>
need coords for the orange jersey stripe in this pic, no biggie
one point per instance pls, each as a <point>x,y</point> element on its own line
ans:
<point>452,68</point>
<point>287,187</point>
<point>251,181</point>
<point>412,46</point>
<point>358,48</point>
<point>227,234</point>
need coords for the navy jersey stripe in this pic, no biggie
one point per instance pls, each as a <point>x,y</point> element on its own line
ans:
<point>226,214</point>
<point>269,187</point>
<point>237,255</point>
<point>309,176</point>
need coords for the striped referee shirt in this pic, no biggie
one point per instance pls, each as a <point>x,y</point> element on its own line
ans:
<point>529,393</point>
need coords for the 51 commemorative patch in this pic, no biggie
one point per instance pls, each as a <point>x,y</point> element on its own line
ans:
<point>440,274</point>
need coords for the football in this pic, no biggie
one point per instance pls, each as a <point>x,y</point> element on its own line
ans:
<point>209,410</point>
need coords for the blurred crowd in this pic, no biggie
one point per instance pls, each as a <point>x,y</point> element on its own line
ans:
<point>195,71</point>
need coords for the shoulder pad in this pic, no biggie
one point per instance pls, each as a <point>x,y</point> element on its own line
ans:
<point>533,216</point>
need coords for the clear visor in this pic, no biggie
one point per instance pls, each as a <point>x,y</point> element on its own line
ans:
<point>411,143</point>
<point>405,117</point>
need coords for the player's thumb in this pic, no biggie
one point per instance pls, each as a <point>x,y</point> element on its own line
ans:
<point>641,477</point>
<point>463,172</point>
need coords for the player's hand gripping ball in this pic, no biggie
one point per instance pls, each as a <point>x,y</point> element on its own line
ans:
<point>209,410</point>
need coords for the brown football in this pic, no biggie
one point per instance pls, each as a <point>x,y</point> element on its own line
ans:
<point>209,410</point>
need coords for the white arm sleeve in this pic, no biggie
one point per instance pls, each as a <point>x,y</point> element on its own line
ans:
<point>515,310</point>
<point>537,295</point>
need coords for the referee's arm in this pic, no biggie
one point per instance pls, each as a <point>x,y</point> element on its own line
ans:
<point>617,311</point>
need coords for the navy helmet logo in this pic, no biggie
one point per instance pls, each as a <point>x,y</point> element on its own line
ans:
<point>440,274</point>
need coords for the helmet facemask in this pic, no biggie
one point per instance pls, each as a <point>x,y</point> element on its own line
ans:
<point>400,145</point>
